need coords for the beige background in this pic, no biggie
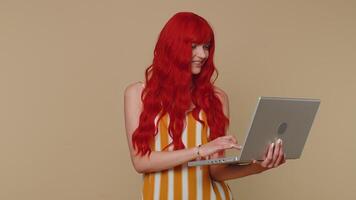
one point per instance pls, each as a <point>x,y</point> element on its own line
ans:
<point>64,66</point>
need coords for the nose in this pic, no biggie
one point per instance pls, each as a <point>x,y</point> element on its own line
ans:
<point>200,52</point>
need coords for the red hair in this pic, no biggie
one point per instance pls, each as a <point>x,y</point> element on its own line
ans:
<point>171,87</point>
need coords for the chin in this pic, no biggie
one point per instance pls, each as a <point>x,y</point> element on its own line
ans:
<point>195,72</point>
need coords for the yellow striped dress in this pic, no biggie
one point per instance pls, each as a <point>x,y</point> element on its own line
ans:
<point>182,182</point>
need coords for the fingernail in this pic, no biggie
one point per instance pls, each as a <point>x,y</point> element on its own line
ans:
<point>279,141</point>
<point>272,145</point>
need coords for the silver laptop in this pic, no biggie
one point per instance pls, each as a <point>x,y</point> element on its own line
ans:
<point>289,119</point>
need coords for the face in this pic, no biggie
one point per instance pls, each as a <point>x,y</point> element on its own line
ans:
<point>200,53</point>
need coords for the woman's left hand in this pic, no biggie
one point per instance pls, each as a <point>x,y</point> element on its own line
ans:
<point>274,156</point>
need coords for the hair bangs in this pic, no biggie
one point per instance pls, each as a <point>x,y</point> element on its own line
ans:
<point>199,31</point>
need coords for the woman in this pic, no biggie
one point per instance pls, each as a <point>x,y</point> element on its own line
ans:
<point>178,115</point>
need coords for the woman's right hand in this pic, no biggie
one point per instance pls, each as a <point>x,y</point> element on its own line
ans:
<point>219,144</point>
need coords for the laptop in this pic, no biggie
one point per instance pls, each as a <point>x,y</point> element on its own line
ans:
<point>289,119</point>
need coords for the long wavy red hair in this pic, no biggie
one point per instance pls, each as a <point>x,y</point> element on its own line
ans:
<point>171,87</point>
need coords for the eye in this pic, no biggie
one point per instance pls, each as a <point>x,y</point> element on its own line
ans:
<point>194,46</point>
<point>207,46</point>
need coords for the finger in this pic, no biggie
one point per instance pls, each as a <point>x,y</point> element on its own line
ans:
<point>235,146</point>
<point>256,162</point>
<point>264,157</point>
<point>280,157</point>
<point>273,158</point>
<point>230,138</point>
<point>214,155</point>
<point>230,145</point>
<point>233,139</point>
<point>276,152</point>
<point>262,163</point>
<point>268,159</point>
<point>284,158</point>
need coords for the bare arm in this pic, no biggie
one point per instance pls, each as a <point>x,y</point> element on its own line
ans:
<point>158,160</point>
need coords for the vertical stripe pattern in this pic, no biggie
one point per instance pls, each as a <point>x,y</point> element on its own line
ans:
<point>182,182</point>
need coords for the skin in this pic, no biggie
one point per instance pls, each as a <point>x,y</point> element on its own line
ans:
<point>200,53</point>
<point>159,161</point>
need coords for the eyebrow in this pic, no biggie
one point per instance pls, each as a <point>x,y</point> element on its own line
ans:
<point>194,43</point>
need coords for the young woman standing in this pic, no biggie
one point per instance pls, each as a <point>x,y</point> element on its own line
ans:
<point>178,115</point>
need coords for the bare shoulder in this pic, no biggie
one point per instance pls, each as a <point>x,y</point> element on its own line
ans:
<point>221,94</point>
<point>133,94</point>
<point>134,90</point>
<point>223,98</point>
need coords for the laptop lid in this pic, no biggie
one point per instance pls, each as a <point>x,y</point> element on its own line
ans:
<point>275,117</point>
<point>289,119</point>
